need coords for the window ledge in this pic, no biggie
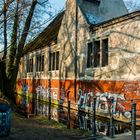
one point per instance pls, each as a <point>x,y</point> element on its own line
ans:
<point>29,73</point>
<point>53,71</point>
<point>94,68</point>
<point>39,72</point>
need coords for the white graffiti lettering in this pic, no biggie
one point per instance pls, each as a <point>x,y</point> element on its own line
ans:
<point>85,100</point>
<point>45,93</point>
<point>103,103</point>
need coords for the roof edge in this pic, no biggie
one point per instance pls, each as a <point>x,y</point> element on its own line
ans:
<point>112,21</point>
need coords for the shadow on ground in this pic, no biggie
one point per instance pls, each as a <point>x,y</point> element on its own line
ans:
<point>38,128</point>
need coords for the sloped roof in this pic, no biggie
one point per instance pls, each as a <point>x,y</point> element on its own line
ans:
<point>92,18</point>
<point>96,16</point>
<point>92,15</point>
<point>115,20</point>
<point>47,36</point>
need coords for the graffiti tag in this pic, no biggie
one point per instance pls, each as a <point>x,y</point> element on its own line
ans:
<point>103,104</point>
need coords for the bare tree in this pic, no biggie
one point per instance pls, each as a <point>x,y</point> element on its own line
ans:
<point>15,25</point>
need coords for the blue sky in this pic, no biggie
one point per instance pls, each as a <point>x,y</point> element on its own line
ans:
<point>56,7</point>
<point>58,4</point>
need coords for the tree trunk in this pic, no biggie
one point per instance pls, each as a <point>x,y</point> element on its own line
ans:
<point>22,43</point>
<point>4,82</point>
<point>5,30</point>
<point>9,69</point>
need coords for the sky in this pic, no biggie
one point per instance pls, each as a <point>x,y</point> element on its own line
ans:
<point>132,5</point>
<point>58,4</point>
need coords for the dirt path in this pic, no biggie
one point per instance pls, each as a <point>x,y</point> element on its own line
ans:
<point>38,129</point>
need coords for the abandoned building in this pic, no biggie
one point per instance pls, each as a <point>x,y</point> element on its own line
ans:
<point>90,49</point>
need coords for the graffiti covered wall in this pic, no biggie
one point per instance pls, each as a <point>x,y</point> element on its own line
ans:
<point>123,93</point>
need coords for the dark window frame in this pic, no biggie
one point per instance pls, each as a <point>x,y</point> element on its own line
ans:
<point>30,65</point>
<point>90,55</point>
<point>104,52</point>
<point>97,53</point>
<point>40,63</point>
<point>54,61</point>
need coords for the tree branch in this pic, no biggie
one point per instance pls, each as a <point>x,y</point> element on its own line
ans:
<point>23,38</point>
<point>41,3</point>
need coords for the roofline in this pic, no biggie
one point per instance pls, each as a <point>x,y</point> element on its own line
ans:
<point>84,15</point>
<point>113,21</point>
<point>48,26</point>
<point>35,40</point>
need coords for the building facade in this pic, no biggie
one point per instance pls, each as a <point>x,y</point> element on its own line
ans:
<point>89,50</point>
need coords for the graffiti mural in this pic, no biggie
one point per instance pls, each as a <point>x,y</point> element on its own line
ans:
<point>44,93</point>
<point>24,101</point>
<point>85,122</point>
<point>85,102</point>
<point>122,93</point>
